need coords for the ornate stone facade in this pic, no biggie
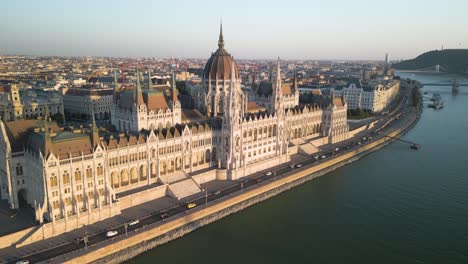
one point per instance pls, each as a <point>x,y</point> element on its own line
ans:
<point>67,172</point>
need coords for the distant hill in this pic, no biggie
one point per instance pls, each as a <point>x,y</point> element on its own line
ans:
<point>450,60</point>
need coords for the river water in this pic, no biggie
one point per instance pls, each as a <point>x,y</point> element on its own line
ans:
<point>396,205</point>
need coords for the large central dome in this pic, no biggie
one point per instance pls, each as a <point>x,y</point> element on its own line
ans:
<point>218,67</point>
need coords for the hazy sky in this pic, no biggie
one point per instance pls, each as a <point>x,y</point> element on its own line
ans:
<point>292,29</point>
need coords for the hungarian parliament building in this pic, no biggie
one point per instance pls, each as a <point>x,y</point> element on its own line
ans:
<point>79,175</point>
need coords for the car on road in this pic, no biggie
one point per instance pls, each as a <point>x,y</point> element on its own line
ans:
<point>191,205</point>
<point>323,156</point>
<point>268,173</point>
<point>217,192</point>
<point>134,222</point>
<point>78,240</point>
<point>164,215</point>
<point>337,149</point>
<point>111,233</point>
<point>359,143</point>
<point>298,165</point>
<point>23,262</point>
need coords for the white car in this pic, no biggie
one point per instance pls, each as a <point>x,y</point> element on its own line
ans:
<point>268,173</point>
<point>323,156</point>
<point>112,233</point>
<point>134,222</point>
<point>23,262</point>
<point>298,165</point>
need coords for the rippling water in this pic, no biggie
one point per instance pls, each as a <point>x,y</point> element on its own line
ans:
<point>394,206</point>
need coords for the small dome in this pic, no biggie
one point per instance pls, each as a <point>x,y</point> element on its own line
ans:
<point>218,67</point>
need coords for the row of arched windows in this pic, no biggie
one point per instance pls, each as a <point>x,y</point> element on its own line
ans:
<point>78,176</point>
<point>266,131</point>
<point>127,158</point>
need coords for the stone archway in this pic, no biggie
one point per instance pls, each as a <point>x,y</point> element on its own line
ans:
<point>23,198</point>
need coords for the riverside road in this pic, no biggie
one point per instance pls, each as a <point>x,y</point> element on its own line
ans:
<point>403,116</point>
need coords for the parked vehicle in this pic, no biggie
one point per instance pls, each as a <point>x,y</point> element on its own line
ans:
<point>268,173</point>
<point>112,233</point>
<point>134,222</point>
<point>191,205</point>
<point>23,262</point>
<point>298,165</point>
<point>165,215</point>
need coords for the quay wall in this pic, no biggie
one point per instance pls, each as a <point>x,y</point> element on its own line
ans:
<point>121,250</point>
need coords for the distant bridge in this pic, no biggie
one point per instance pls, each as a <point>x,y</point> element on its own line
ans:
<point>449,83</point>
<point>432,69</point>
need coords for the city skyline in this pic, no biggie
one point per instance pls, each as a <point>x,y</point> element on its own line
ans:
<point>334,30</point>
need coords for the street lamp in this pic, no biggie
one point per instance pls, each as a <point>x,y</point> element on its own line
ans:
<point>85,240</point>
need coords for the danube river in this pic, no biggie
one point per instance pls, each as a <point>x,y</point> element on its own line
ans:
<point>396,205</point>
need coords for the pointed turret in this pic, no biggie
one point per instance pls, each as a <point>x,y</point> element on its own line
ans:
<point>116,86</point>
<point>95,131</point>
<point>221,38</point>
<point>295,84</point>
<point>232,110</point>
<point>173,89</point>
<point>47,138</point>
<point>150,83</point>
<point>138,96</point>
<point>277,91</point>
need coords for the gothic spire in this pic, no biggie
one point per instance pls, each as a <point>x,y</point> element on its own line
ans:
<point>116,82</point>
<point>138,96</point>
<point>295,84</point>
<point>278,79</point>
<point>277,100</point>
<point>47,139</point>
<point>149,79</point>
<point>95,132</point>
<point>221,38</point>
<point>116,86</point>
<point>174,88</point>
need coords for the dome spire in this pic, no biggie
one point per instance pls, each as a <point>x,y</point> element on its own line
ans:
<point>221,38</point>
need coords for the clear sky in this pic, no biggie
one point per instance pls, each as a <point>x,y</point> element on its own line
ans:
<point>258,29</point>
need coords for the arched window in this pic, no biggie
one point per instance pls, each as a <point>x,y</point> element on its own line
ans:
<point>77,175</point>
<point>143,172</point>
<point>133,175</point>
<point>124,177</point>
<point>89,172</point>
<point>115,180</point>
<point>66,178</point>
<point>53,181</point>
<point>100,170</point>
<point>153,170</point>
<point>19,170</point>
